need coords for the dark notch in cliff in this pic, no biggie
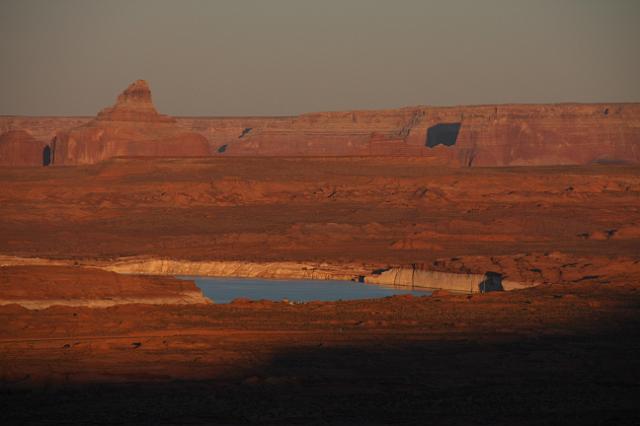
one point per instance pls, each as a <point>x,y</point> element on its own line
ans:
<point>46,155</point>
<point>442,134</point>
<point>492,282</point>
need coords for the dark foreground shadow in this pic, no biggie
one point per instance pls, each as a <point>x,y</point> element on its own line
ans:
<point>586,380</point>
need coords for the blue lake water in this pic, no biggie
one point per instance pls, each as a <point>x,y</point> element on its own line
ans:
<point>224,290</point>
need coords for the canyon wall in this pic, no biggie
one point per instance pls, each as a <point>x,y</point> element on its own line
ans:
<point>41,128</point>
<point>20,148</point>
<point>491,135</point>
<point>495,135</point>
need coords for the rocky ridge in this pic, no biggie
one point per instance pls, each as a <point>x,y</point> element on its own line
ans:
<point>461,136</point>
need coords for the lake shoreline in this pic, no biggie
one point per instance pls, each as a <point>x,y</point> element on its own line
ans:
<point>398,276</point>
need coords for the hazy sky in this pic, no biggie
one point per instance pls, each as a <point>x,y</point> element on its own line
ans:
<point>278,57</point>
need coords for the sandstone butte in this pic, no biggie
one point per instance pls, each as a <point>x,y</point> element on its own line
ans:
<point>132,127</point>
<point>489,135</point>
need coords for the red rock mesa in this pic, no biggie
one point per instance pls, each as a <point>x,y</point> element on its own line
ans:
<point>499,135</point>
<point>132,127</point>
<point>490,135</point>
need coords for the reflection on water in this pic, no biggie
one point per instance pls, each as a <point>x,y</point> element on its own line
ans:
<point>224,290</point>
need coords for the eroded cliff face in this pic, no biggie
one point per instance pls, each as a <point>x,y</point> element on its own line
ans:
<point>41,128</point>
<point>492,135</point>
<point>20,148</point>
<point>501,135</point>
<point>130,128</point>
<point>412,278</point>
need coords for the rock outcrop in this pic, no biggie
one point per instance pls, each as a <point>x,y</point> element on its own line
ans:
<point>39,287</point>
<point>464,136</point>
<point>494,135</point>
<point>418,279</point>
<point>41,128</point>
<point>20,148</point>
<point>132,127</point>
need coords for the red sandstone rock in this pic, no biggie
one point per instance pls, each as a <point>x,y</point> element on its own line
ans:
<point>134,104</point>
<point>492,135</point>
<point>132,127</point>
<point>488,136</point>
<point>42,128</point>
<point>19,148</point>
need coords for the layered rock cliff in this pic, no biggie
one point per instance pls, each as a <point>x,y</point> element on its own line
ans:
<point>132,127</point>
<point>417,279</point>
<point>491,135</point>
<point>500,135</point>
<point>20,148</point>
<point>41,128</point>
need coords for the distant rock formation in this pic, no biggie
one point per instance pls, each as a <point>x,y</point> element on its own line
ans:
<point>461,136</point>
<point>20,148</point>
<point>41,128</point>
<point>135,105</point>
<point>493,135</point>
<point>132,127</point>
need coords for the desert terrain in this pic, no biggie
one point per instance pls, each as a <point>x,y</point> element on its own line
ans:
<point>561,354</point>
<point>564,349</point>
<point>98,214</point>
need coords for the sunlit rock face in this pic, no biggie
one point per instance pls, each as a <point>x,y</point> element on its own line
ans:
<point>461,136</point>
<point>466,136</point>
<point>20,148</point>
<point>132,127</point>
<point>134,105</point>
